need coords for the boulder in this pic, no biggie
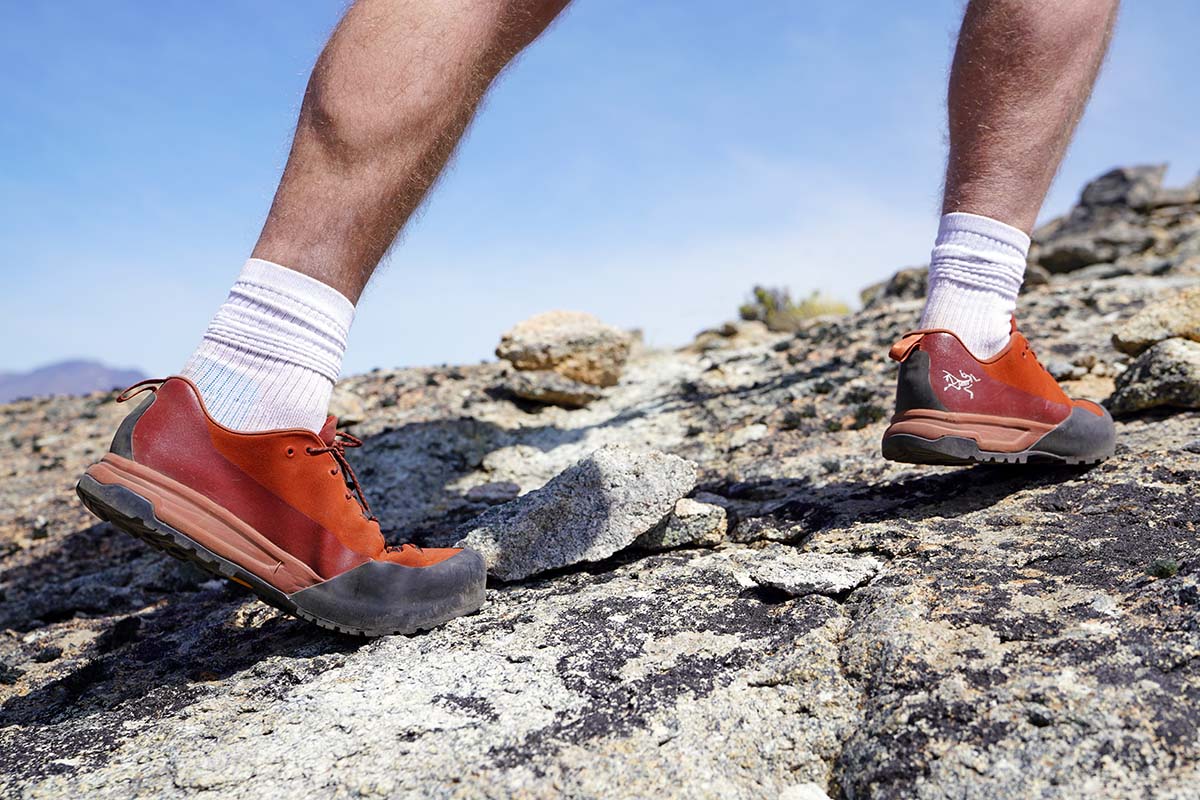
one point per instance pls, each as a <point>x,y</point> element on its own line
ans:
<point>907,284</point>
<point>1108,225</point>
<point>692,523</point>
<point>1134,187</point>
<point>1176,316</point>
<point>586,513</point>
<point>1168,374</point>
<point>1074,249</point>
<point>573,344</point>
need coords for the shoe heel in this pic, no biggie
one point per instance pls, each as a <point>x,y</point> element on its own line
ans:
<point>946,451</point>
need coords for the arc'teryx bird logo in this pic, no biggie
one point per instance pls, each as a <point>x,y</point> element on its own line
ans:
<point>962,383</point>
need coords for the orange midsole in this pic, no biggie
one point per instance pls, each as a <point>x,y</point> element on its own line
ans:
<point>996,434</point>
<point>210,525</point>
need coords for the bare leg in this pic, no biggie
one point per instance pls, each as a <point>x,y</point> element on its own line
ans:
<point>387,102</point>
<point>1022,74</point>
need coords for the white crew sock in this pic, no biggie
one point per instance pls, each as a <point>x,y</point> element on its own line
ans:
<point>975,273</point>
<point>270,356</point>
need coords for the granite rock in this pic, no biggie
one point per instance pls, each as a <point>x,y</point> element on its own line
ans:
<point>1168,374</point>
<point>587,513</point>
<point>1028,633</point>
<point>690,524</point>
<point>1133,187</point>
<point>544,386</point>
<point>1175,316</point>
<point>573,344</point>
<point>797,573</point>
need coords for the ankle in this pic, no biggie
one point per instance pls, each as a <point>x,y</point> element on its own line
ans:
<point>975,273</point>
<point>272,352</point>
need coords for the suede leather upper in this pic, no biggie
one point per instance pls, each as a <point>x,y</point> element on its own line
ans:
<point>270,480</point>
<point>1010,384</point>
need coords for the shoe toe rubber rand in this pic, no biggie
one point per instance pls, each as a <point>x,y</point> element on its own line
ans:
<point>375,598</point>
<point>931,437</point>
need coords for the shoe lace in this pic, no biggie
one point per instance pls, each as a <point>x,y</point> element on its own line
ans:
<point>1027,351</point>
<point>337,449</point>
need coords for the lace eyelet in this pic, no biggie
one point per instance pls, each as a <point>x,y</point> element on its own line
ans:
<point>308,450</point>
<point>333,471</point>
<point>291,451</point>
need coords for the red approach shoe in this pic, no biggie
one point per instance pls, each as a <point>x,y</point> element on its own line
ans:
<point>279,512</point>
<point>952,408</point>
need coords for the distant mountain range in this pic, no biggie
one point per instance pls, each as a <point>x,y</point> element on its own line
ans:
<point>65,378</point>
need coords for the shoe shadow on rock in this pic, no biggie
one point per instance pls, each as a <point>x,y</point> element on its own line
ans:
<point>807,506</point>
<point>140,664</point>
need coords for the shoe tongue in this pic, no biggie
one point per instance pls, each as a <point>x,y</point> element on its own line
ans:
<point>329,430</point>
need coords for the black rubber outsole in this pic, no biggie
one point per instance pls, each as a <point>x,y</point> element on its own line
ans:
<point>130,512</point>
<point>960,451</point>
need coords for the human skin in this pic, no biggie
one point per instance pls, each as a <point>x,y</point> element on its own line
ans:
<point>1022,74</point>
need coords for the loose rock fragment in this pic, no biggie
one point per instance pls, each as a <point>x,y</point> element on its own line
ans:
<point>574,344</point>
<point>586,513</point>
<point>798,573</point>
<point>493,493</point>
<point>1176,316</point>
<point>691,523</point>
<point>1168,374</point>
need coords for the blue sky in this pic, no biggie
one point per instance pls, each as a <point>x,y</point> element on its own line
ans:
<point>647,162</point>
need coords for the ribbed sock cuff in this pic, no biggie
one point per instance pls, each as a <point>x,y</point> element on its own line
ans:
<point>273,350</point>
<point>975,274</point>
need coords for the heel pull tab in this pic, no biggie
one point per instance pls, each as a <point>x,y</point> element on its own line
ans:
<point>902,348</point>
<point>150,384</point>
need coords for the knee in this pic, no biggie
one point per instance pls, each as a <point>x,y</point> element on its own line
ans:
<point>334,122</point>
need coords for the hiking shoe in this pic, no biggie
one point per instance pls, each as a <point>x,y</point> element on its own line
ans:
<point>278,512</point>
<point>952,408</point>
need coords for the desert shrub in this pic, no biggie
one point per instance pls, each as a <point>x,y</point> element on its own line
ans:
<point>776,308</point>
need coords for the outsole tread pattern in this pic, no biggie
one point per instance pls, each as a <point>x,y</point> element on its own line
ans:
<point>952,451</point>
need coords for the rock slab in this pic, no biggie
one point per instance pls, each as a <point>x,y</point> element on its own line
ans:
<point>544,386</point>
<point>1176,317</point>
<point>1135,187</point>
<point>1168,374</point>
<point>586,513</point>
<point>691,524</point>
<point>573,344</point>
<point>798,573</point>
